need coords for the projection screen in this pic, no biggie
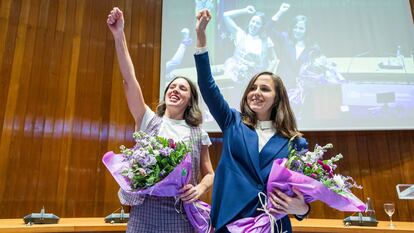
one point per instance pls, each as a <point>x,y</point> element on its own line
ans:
<point>347,64</point>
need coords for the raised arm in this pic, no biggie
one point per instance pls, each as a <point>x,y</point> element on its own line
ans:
<point>132,89</point>
<point>272,25</point>
<point>177,59</point>
<point>282,9</point>
<point>228,18</point>
<point>215,101</point>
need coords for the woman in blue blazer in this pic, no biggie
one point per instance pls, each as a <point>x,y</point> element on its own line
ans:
<point>252,140</point>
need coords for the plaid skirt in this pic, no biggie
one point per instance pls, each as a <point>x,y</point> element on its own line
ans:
<point>158,214</point>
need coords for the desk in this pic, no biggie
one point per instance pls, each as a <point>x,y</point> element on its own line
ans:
<point>64,225</point>
<point>98,225</point>
<point>337,226</point>
<point>369,65</point>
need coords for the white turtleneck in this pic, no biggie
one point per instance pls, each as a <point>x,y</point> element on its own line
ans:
<point>265,131</point>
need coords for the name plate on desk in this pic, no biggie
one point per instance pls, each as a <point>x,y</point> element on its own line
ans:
<point>39,218</point>
<point>360,221</point>
<point>117,218</point>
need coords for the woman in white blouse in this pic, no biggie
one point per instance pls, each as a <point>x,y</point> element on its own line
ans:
<point>177,117</point>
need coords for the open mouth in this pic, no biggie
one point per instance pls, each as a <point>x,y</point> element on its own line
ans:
<point>174,98</point>
<point>256,101</point>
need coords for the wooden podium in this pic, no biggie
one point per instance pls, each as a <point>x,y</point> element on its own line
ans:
<point>98,225</point>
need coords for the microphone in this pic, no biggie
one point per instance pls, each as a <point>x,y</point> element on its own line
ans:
<point>400,57</point>
<point>352,60</point>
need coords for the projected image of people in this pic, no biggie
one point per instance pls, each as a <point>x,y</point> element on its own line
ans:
<point>347,61</point>
<point>292,45</point>
<point>253,49</point>
<point>319,71</point>
<point>316,73</point>
<point>177,59</point>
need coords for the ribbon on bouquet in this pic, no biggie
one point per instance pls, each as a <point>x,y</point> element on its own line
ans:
<point>197,207</point>
<point>262,223</point>
<point>263,202</point>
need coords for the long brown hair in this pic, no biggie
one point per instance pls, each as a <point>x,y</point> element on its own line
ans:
<point>192,114</point>
<point>281,115</point>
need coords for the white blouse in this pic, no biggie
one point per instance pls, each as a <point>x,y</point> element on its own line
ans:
<point>178,130</point>
<point>265,131</point>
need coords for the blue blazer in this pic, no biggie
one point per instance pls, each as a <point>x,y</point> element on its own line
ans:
<point>242,171</point>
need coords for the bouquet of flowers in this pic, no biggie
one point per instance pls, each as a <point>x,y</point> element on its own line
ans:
<point>156,166</point>
<point>314,177</point>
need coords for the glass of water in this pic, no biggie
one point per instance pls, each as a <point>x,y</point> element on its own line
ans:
<point>390,209</point>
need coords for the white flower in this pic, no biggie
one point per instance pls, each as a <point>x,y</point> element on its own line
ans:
<point>328,146</point>
<point>136,154</point>
<point>156,152</point>
<point>340,182</point>
<point>311,157</point>
<point>130,174</point>
<point>135,135</point>
<point>153,140</point>
<point>338,157</point>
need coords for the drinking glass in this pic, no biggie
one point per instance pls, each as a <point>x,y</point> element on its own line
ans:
<point>390,209</point>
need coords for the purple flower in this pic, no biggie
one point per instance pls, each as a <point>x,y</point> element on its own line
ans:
<point>312,164</point>
<point>137,154</point>
<point>142,164</point>
<point>296,166</point>
<point>303,151</point>
<point>171,144</point>
<point>147,160</point>
<point>326,167</point>
<point>165,151</point>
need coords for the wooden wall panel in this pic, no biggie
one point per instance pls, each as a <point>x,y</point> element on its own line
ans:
<point>378,160</point>
<point>62,107</point>
<point>62,104</point>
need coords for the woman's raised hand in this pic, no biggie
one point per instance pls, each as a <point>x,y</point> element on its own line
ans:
<point>250,9</point>
<point>284,7</point>
<point>115,21</point>
<point>203,17</point>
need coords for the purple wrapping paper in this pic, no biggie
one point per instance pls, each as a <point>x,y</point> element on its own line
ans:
<point>284,179</point>
<point>198,212</point>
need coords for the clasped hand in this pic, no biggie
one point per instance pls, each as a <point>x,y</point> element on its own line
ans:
<point>283,204</point>
<point>190,193</point>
